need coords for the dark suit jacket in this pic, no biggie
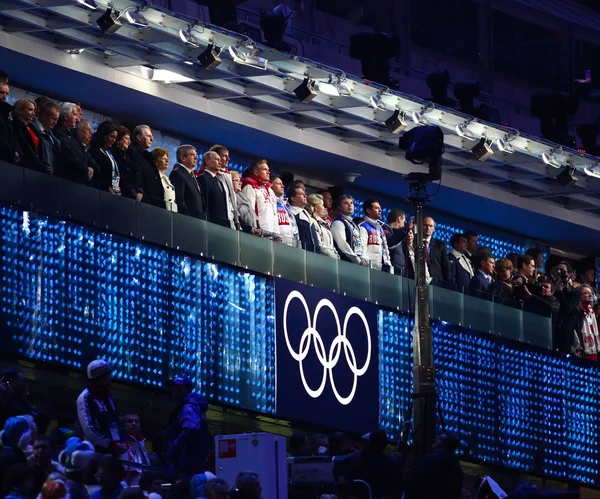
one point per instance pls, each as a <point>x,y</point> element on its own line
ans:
<point>140,161</point>
<point>215,202</point>
<point>439,265</point>
<point>7,137</point>
<point>154,192</point>
<point>479,286</point>
<point>49,149</point>
<point>123,159</point>
<point>75,160</point>
<point>462,279</point>
<point>188,193</point>
<point>29,155</point>
<point>103,175</point>
<point>401,260</point>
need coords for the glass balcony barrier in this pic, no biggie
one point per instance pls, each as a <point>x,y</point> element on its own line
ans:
<point>264,253</point>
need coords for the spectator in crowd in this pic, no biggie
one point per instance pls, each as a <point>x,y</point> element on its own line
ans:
<point>404,257</point>
<point>316,208</point>
<point>373,243</point>
<point>288,229</point>
<point>502,287</point>
<point>28,140</point>
<point>328,203</point>
<point>76,164</point>
<point>373,466</point>
<point>161,160</point>
<point>120,152</point>
<point>538,257</point>
<point>439,474</point>
<point>4,91</point>
<point>247,486</point>
<point>319,445</point>
<point>482,282</point>
<point>152,184</point>
<point>547,294</point>
<point>256,188</point>
<point>19,482</point>
<point>217,488</point>
<point>514,259</point>
<point>436,254</point>
<point>460,264</point>
<point>526,268</point>
<point>307,227</point>
<point>188,194</point>
<point>215,191</point>
<point>581,326</point>
<point>141,163</point>
<point>97,413</point>
<point>79,114</point>
<point>108,176</point>
<point>227,179</point>
<point>472,244</point>
<point>16,435</point>
<point>395,235</point>
<point>339,444</point>
<point>136,448</point>
<point>109,475</point>
<point>298,445</point>
<point>587,276</point>
<point>236,181</point>
<point>187,435</point>
<point>55,487</point>
<point>8,140</point>
<point>43,123</point>
<point>346,234</point>
<point>76,459</point>
<point>13,395</point>
<point>84,133</point>
<point>41,460</point>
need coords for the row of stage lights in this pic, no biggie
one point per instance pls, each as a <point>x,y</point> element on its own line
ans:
<point>336,86</point>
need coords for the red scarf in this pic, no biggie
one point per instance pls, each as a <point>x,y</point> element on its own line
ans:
<point>255,182</point>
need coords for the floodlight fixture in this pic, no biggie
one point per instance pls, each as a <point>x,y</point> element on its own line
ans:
<point>591,171</point>
<point>377,102</point>
<point>164,76</point>
<point>250,58</point>
<point>305,91</point>
<point>424,144</point>
<point>135,17</point>
<point>90,4</point>
<point>549,158</point>
<point>211,57</point>
<point>396,122</point>
<point>336,86</point>
<point>567,176</point>
<point>186,36</point>
<point>483,149</point>
<point>109,22</point>
<point>462,130</point>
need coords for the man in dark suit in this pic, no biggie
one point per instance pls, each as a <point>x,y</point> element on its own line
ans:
<point>142,174</point>
<point>8,151</point>
<point>460,265</point>
<point>49,148</point>
<point>436,255</point>
<point>482,282</point>
<point>188,193</point>
<point>76,163</point>
<point>213,190</point>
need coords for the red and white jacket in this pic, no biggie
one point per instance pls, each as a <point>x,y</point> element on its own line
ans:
<point>373,245</point>
<point>264,201</point>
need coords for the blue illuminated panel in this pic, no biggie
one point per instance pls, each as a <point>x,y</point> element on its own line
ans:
<point>395,365</point>
<point>70,294</point>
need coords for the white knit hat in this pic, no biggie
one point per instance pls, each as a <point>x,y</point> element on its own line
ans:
<point>97,368</point>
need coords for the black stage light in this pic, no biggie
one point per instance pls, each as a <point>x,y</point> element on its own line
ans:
<point>273,26</point>
<point>374,51</point>
<point>438,84</point>
<point>109,21</point>
<point>482,150</point>
<point>424,144</point>
<point>305,91</point>
<point>210,58</point>
<point>567,176</point>
<point>588,134</point>
<point>395,123</point>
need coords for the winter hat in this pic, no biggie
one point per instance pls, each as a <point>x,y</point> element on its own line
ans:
<point>16,433</point>
<point>54,489</point>
<point>77,455</point>
<point>198,485</point>
<point>97,368</point>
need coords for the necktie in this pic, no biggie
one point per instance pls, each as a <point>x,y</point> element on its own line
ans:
<point>426,244</point>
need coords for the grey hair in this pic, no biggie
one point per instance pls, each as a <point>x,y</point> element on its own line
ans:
<point>183,151</point>
<point>313,200</point>
<point>66,108</point>
<point>82,123</point>
<point>139,130</point>
<point>207,154</point>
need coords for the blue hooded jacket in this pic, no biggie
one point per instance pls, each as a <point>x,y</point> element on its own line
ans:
<point>187,436</point>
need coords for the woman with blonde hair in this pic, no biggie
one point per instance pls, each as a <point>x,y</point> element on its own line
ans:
<point>28,139</point>
<point>318,212</point>
<point>161,161</point>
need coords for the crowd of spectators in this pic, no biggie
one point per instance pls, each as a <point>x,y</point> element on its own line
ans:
<point>103,454</point>
<point>52,138</point>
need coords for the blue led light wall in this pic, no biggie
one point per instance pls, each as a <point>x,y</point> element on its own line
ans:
<point>70,294</point>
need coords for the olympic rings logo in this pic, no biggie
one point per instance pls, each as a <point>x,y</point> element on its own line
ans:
<point>329,359</point>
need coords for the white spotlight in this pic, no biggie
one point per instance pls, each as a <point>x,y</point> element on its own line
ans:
<point>549,158</point>
<point>250,58</point>
<point>135,18</point>
<point>186,36</point>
